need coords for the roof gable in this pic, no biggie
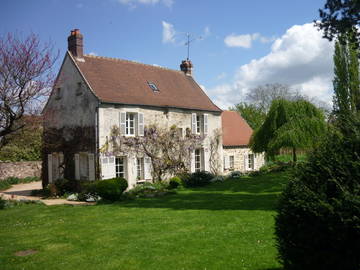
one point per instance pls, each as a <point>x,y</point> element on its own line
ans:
<point>236,131</point>
<point>126,82</point>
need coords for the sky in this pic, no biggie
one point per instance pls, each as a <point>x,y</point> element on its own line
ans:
<point>236,44</point>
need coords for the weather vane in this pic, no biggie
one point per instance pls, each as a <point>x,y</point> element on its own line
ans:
<point>189,40</point>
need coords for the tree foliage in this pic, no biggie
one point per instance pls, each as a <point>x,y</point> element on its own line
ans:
<point>24,144</point>
<point>346,79</point>
<point>340,16</point>
<point>253,115</point>
<point>289,124</point>
<point>25,78</point>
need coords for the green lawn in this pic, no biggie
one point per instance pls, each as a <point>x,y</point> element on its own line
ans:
<point>226,225</point>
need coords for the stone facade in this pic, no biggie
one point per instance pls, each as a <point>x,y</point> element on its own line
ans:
<point>109,116</point>
<point>241,160</point>
<point>20,169</point>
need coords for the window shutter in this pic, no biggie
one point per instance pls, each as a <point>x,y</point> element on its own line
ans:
<point>50,178</point>
<point>193,123</point>
<point>254,161</point>
<point>111,167</point>
<point>140,124</point>
<point>206,159</point>
<point>147,168</point>
<point>192,162</point>
<point>122,122</point>
<point>246,162</point>
<point>227,161</point>
<point>91,158</point>
<point>206,126</point>
<point>77,166</point>
<point>61,165</point>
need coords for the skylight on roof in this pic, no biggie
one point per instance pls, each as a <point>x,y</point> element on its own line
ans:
<point>153,86</point>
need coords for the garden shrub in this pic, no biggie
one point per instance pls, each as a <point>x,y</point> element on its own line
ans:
<point>111,189</point>
<point>198,179</point>
<point>318,219</point>
<point>2,203</point>
<point>236,174</point>
<point>218,178</point>
<point>175,182</point>
<point>148,189</point>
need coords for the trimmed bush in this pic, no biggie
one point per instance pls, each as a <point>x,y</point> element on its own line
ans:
<point>318,220</point>
<point>149,190</point>
<point>175,182</point>
<point>111,189</point>
<point>218,178</point>
<point>198,179</point>
<point>236,174</point>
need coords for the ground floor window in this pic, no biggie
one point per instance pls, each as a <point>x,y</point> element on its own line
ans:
<point>251,161</point>
<point>120,167</point>
<point>140,168</point>
<point>231,162</point>
<point>198,160</point>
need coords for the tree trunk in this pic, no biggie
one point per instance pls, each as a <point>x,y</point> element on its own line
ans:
<point>294,154</point>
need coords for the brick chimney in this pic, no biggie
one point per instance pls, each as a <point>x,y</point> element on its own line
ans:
<point>75,43</point>
<point>186,67</point>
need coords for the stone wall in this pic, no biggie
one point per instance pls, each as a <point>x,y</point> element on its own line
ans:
<point>20,169</point>
<point>240,153</point>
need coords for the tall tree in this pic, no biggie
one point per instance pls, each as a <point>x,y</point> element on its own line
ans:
<point>25,78</point>
<point>289,124</point>
<point>346,78</point>
<point>340,16</point>
<point>252,114</point>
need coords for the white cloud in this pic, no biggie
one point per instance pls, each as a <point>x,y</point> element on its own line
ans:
<point>300,58</point>
<point>245,41</point>
<point>134,3</point>
<point>168,35</point>
<point>93,54</point>
<point>221,76</point>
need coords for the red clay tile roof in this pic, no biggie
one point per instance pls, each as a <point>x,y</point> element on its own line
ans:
<point>126,82</point>
<point>236,131</point>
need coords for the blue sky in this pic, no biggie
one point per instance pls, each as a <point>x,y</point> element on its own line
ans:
<point>244,43</point>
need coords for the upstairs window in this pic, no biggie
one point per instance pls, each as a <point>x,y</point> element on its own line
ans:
<point>58,93</point>
<point>153,86</point>
<point>131,124</point>
<point>79,89</point>
<point>199,123</point>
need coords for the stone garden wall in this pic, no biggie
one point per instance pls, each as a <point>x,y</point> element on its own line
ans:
<point>20,169</point>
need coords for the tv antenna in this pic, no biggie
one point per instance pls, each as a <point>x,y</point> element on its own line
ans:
<point>189,41</point>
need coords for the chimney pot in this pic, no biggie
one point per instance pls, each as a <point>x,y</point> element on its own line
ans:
<point>75,43</point>
<point>186,67</point>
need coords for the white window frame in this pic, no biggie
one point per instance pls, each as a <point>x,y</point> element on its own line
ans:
<point>251,161</point>
<point>120,167</point>
<point>128,122</point>
<point>198,160</point>
<point>231,162</point>
<point>198,123</point>
<point>140,168</point>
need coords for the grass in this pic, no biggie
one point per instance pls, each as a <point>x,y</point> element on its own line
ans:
<point>226,225</point>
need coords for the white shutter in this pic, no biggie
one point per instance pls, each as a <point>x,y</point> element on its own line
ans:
<point>50,178</point>
<point>122,123</point>
<point>91,158</point>
<point>206,160</point>
<point>192,162</point>
<point>246,162</point>
<point>111,167</point>
<point>206,126</point>
<point>61,165</point>
<point>226,162</point>
<point>147,168</point>
<point>193,123</point>
<point>77,166</point>
<point>140,124</point>
<point>254,160</point>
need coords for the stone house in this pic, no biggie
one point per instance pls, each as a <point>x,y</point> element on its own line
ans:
<point>236,135</point>
<point>92,94</point>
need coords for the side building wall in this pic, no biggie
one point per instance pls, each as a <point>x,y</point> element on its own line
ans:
<point>109,116</point>
<point>69,124</point>
<point>241,158</point>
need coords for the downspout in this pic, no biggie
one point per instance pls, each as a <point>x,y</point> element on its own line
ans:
<point>97,156</point>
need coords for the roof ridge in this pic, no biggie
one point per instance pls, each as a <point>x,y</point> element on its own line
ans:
<point>130,61</point>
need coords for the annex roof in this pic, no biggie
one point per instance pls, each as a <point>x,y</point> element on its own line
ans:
<point>126,82</point>
<point>235,130</point>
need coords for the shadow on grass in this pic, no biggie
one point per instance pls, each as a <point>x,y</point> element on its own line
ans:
<point>247,193</point>
<point>208,201</point>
